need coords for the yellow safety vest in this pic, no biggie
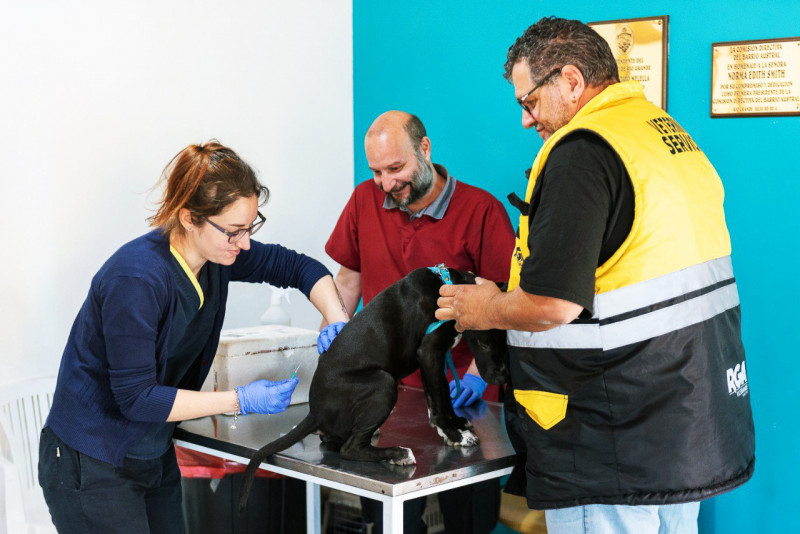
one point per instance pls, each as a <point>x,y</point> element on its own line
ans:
<point>661,362</point>
<point>678,219</point>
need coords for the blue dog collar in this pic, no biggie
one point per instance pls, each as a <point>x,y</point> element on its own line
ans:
<point>444,275</point>
<point>442,272</point>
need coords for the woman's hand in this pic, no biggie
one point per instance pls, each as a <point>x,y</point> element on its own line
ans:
<point>264,396</point>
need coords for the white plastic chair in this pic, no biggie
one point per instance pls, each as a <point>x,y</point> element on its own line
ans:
<point>23,409</point>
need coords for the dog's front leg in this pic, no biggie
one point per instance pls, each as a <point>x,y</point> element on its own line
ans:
<point>454,430</point>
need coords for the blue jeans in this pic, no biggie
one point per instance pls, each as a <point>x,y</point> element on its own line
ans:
<point>618,519</point>
<point>86,495</point>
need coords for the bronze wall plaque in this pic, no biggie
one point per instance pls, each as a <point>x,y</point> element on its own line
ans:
<point>640,47</point>
<point>755,78</point>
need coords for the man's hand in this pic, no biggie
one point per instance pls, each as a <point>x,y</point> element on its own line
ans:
<point>467,304</point>
<point>327,335</point>
<point>472,388</point>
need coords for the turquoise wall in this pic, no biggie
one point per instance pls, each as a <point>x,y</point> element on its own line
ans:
<point>443,60</point>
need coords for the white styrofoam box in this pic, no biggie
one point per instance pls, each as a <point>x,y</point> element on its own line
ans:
<point>273,352</point>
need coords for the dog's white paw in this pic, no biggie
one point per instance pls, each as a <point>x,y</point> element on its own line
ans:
<point>468,438</point>
<point>408,460</point>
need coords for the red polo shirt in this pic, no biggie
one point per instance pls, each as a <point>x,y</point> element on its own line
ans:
<point>474,234</point>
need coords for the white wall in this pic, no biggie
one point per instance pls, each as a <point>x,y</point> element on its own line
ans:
<point>97,96</point>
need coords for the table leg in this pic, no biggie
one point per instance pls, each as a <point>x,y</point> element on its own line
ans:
<point>313,512</point>
<point>393,516</point>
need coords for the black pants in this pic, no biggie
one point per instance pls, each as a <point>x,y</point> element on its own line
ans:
<point>85,495</point>
<point>472,509</point>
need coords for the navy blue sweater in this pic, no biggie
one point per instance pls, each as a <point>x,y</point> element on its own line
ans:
<point>110,381</point>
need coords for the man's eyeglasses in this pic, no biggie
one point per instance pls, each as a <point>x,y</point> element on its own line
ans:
<point>235,237</point>
<point>522,101</point>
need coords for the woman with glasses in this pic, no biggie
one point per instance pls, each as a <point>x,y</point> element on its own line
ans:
<point>143,342</point>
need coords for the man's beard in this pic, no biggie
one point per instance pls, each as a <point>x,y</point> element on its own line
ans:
<point>559,116</point>
<point>421,182</point>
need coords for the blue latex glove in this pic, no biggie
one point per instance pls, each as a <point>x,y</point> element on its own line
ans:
<point>472,388</point>
<point>327,334</point>
<point>264,396</point>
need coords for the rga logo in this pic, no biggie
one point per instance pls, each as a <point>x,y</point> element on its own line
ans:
<point>737,380</point>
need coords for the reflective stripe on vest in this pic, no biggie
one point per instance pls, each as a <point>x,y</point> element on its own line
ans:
<point>644,310</point>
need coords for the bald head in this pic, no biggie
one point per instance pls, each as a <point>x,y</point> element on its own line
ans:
<point>398,124</point>
<point>398,153</point>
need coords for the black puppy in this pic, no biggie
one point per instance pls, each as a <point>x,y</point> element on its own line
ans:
<point>355,385</point>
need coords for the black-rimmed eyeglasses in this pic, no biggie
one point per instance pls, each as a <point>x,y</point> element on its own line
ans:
<point>522,100</point>
<point>235,237</point>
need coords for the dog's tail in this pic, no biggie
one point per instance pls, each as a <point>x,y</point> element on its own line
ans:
<point>303,428</point>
